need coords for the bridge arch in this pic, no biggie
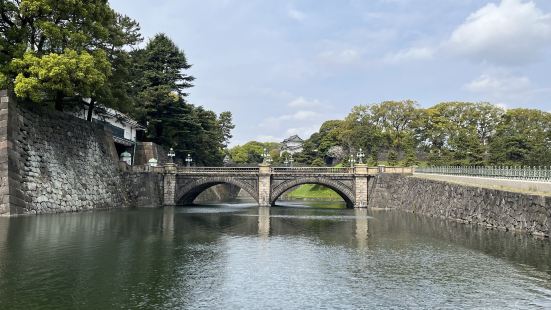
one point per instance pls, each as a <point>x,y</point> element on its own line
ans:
<point>345,191</point>
<point>187,193</point>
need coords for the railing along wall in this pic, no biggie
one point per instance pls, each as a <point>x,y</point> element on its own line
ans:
<point>144,168</point>
<point>216,170</point>
<point>312,170</point>
<point>501,172</point>
<point>274,170</point>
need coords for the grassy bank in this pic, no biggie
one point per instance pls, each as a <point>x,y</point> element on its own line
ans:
<point>313,191</point>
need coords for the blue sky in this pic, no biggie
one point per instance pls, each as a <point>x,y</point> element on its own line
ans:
<point>283,67</point>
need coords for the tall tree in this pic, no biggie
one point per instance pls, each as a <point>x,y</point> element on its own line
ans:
<point>117,92</point>
<point>226,125</point>
<point>68,73</point>
<point>523,137</point>
<point>33,32</point>
<point>160,84</point>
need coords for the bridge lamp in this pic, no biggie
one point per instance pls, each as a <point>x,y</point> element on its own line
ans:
<point>352,160</point>
<point>267,159</point>
<point>360,156</point>
<point>189,160</point>
<point>291,160</point>
<point>171,155</point>
<point>286,162</point>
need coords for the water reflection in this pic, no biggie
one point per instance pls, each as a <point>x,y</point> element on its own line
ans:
<point>362,227</point>
<point>168,223</point>
<point>264,222</point>
<point>241,256</point>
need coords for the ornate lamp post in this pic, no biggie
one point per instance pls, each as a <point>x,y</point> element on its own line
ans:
<point>291,161</point>
<point>189,160</point>
<point>171,155</point>
<point>352,160</point>
<point>286,162</point>
<point>360,156</point>
<point>226,161</point>
<point>267,159</point>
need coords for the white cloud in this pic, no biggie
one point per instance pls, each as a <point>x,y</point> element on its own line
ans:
<point>340,57</point>
<point>296,14</point>
<point>275,123</point>
<point>267,138</point>
<point>304,115</point>
<point>506,89</point>
<point>301,115</point>
<point>510,33</point>
<point>302,103</point>
<point>410,54</point>
<point>303,132</point>
<point>499,84</point>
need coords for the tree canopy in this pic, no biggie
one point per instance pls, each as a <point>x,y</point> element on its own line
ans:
<point>51,50</point>
<point>449,133</point>
<point>75,53</point>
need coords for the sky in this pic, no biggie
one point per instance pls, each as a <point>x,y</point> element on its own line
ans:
<point>283,67</point>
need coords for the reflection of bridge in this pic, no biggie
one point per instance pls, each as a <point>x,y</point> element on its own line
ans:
<point>266,184</point>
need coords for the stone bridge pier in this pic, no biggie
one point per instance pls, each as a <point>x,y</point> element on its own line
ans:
<point>265,184</point>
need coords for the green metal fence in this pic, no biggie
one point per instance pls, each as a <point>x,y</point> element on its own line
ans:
<point>502,172</point>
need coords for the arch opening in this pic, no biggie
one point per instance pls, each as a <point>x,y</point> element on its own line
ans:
<point>338,188</point>
<point>187,194</point>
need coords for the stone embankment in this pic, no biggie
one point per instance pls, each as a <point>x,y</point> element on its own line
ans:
<point>55,162</point>
<point>143,189</point>
<point>488,207</point>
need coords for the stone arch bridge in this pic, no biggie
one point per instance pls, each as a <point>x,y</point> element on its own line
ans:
<point>181,185</point>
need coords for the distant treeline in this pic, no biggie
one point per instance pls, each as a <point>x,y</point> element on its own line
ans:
<point>450,133</point>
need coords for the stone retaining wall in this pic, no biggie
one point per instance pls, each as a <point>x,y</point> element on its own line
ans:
<point>144,189</point>
<point>491,208</point>
<point>147,150</point>
<point>55,162</point>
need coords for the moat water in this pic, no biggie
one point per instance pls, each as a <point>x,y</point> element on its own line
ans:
<point>239,256</point>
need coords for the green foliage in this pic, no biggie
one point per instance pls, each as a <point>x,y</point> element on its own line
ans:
<point>226,126</point>
<point>251,152</point>
<point>392,158</point>
<point>67,73</point>
<point>47,46</point>
<point>160,84</point>
<point>313,191</point>
<point>449,133</point>
<point>318,162</point>
<point>373,159</point>
<point>458,133</point>
<point>522,137</point>
<point>51,26</point>
<point>3,81</point>
<point>309,151</point>
<point>410,156</point>
<point>63,51</point>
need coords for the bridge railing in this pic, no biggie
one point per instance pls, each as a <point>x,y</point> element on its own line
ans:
<point>312,170</point>
<point>144,168</point>
<point>274,170</point>
<point>542,174</point>
<point>217,170</point>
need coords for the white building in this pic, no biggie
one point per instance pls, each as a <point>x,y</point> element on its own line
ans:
<point>123,127</point>
<point>291,145</point>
